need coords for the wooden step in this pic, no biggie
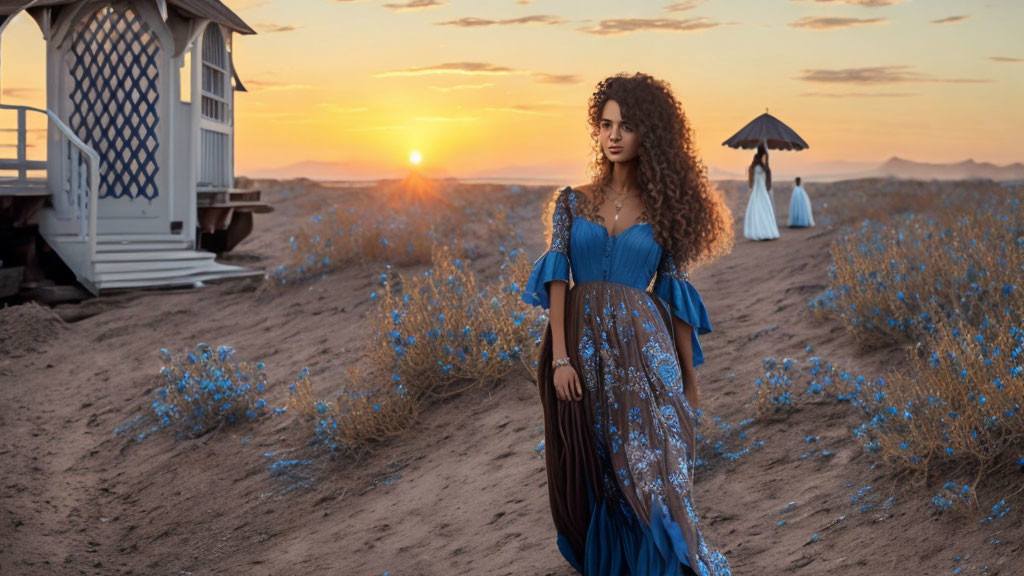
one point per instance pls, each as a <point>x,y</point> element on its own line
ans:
<point>110,242</point>
<point>248,195</point>
<point>141,247</point>
<point>126,238</point>
<point>178,281</point>
<point>240,199</point>
<point>139,260</point>
<point>26,187</point>
<point>181,272</point>
<point>257,207</point>
<point>141,265</point>
<point>154,255</point>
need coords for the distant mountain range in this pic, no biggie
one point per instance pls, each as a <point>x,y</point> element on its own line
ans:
<point>968,169</point>
<point>326,171</point>
<point>554,172</point>
<point>894,167</point>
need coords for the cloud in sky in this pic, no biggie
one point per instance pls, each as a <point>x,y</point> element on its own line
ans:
<point>545,78</point>
<point>20,92</point>
<point>880,75</point>
<point>477,69</point>
<point>857,94</point>
<point>832,23</point>
<point>617,26</point>
<point>414,5</point>
<point>459,68</point>
<point>683,6</point>
<point>951,19</point>
<point>273,85</point>
<point>269,28</point>
<point>274,115</point>
<point>462,87</point>
<point>471,22</point>
<point>868,3</point>
<point>520,109</point>
<point>539,108</point>
<point>1005,59</point>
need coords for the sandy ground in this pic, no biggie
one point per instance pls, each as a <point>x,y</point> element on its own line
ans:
<point>462,493</point>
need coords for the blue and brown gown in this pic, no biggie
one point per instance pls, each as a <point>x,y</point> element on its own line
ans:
<point>620,461</point>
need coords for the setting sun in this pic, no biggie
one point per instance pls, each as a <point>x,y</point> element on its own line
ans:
<point>415,157</point>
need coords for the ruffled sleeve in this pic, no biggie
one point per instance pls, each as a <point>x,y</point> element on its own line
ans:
<point>554,263</point>
<point>683,299</point>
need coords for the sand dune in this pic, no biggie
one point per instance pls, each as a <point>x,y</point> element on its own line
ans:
<point>464,492</point>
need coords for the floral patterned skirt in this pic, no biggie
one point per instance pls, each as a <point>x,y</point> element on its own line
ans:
<point>620,461</point>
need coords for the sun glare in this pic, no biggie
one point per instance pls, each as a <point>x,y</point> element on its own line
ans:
<point>415,157</point>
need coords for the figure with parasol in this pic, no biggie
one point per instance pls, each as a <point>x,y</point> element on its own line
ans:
<point>763,133</point>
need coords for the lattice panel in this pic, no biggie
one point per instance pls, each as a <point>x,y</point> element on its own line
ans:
<point>114,67</point>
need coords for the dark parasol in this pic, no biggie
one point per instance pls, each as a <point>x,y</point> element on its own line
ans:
<point>770,130</point>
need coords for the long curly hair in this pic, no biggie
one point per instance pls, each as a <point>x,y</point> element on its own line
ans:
<point>688,216</point>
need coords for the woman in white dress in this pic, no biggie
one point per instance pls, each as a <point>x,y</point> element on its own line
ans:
<point>759,219</point>
<point>800,215</point>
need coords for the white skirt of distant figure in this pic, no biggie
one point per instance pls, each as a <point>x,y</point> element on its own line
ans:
<point>800,215</point>
<point>759,220</point>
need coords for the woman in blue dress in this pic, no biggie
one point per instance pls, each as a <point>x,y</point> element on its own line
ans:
<point>800,215</point>
<point>616,367</point>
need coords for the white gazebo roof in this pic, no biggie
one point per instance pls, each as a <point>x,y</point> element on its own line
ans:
<point>212,10</point>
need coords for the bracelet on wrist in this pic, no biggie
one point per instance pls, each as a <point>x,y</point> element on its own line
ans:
<point>560,362</point>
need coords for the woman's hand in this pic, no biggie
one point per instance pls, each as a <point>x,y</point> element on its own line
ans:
<point>567,384</point>
<point>692,394</point>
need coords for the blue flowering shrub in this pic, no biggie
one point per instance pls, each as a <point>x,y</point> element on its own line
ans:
<point>396,222</point>
<point>351,421</point>
<point>945,285</point>
<point>204,388</point>
<point>720,442</point>
<point>954,497</point>
<point>340,237</point>
<point>774,389</point>
<point>440,332</point>
<point>898,280</point>
<point>433,334</point>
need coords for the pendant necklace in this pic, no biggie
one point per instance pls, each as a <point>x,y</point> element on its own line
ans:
<point>619,199</point>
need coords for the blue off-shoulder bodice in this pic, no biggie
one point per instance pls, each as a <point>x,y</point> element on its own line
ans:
<point>582,248</point>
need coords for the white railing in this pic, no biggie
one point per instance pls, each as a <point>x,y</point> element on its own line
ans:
<point>20,164</point>
<point>80,174</point>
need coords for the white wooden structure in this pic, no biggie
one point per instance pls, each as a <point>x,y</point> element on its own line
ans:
<point>140,138</point>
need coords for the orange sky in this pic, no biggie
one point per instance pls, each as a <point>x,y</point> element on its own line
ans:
<point>499,87</point>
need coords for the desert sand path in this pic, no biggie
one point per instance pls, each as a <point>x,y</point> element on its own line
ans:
<point>464,492</point>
